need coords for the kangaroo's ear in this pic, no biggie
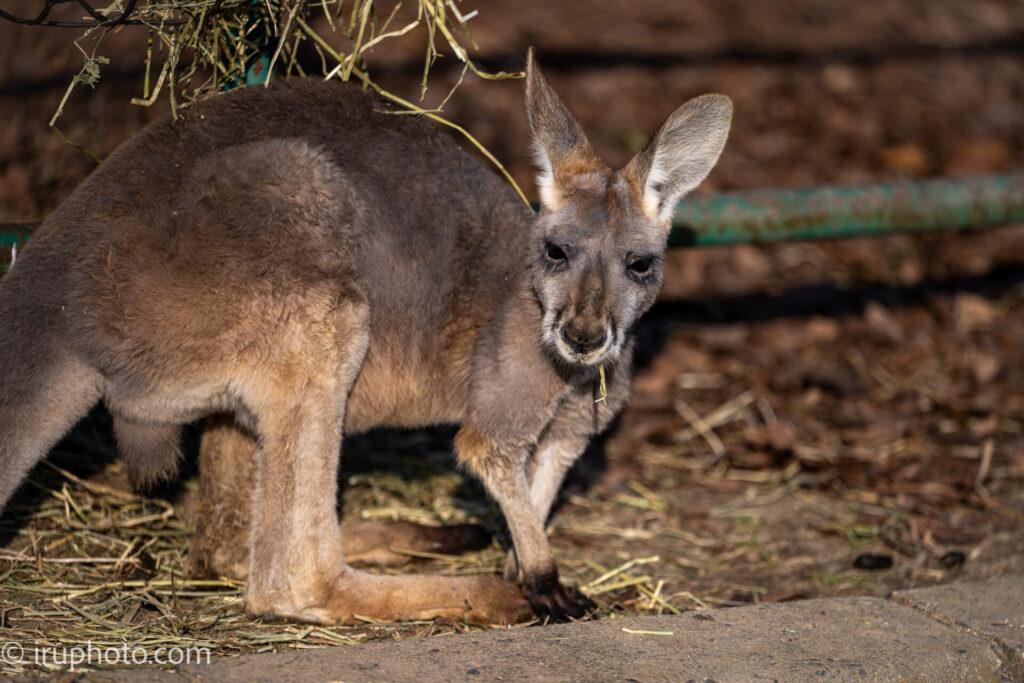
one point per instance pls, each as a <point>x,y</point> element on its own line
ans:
<point>681,154</point>
<point>561,150</point>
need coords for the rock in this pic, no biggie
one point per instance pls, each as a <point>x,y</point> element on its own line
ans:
<point>993,609</point>
<point>846,639</point>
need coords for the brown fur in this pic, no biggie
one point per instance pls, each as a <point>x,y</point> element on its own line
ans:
<point>315,268</point>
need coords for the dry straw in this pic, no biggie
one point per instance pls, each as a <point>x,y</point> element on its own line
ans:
<point>87,562</point>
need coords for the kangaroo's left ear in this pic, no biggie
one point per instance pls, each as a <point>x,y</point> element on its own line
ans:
<point>561,150</point>
<point>681,154</point>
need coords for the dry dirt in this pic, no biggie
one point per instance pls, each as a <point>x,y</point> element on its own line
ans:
<point>800,410</point>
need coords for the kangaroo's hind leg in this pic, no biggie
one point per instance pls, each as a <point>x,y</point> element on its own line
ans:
<point>227,473</point>
<point>227,482</point>
<point>297,569</point>
<point>44,387</point>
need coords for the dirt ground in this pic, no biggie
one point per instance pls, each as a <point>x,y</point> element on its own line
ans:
<point>801,412</point>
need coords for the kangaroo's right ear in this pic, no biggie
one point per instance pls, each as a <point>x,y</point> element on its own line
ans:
<point>561,149</point>
<point>681,154</point>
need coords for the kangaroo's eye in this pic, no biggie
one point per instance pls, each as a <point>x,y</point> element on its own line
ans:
<point>555,253</point>
<point>639,266</point>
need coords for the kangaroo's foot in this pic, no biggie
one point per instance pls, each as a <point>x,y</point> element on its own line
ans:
<point>551,600</point>
<point>354,594</point>
<point>501,467</point>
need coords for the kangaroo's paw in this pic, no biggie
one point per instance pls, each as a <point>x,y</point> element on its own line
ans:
<point>553,601</point>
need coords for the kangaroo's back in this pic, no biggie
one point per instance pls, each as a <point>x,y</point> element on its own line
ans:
<point>421,192</point>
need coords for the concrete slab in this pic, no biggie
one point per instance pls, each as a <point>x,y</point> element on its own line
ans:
<point>993,608</point>
<point>838,640</point>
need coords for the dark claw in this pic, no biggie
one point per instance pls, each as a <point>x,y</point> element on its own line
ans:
<point>554,602</point>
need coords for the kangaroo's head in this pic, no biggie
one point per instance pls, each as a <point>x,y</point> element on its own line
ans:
<point>596,249</point>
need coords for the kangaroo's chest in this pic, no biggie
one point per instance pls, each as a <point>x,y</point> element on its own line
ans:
<point>413,376</point>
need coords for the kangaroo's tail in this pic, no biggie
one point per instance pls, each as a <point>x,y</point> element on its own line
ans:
<point>44,387</point>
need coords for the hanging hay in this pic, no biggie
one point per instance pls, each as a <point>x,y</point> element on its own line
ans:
<point>200,47</point>
<point>197,48</point>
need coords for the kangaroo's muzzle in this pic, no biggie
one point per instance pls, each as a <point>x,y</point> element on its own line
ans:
<point>583,342</point>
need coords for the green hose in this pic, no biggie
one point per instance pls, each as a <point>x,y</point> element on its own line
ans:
<point>783,215</point>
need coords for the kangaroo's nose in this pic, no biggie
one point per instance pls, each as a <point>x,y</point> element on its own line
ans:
<point>581,341</point>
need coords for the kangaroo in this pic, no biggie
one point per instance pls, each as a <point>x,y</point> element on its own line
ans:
<point>297,259</point>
